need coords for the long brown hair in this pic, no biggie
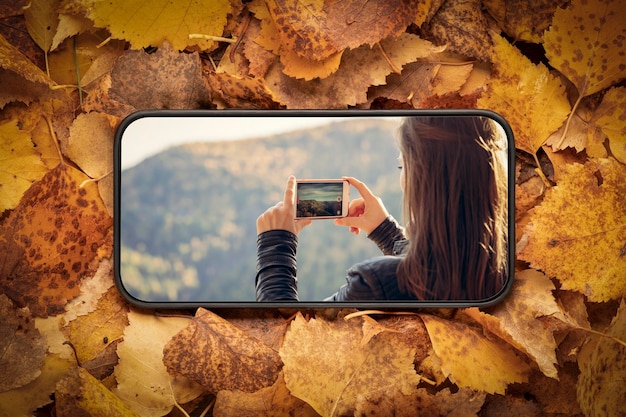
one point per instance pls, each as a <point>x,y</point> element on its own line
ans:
<point>455,207</point>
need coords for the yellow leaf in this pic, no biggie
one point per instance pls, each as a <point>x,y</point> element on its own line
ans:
<point>601,389</point>
<point>150,23</point>
<point>92,333</point>
<point>516,319</point>
<point>142,379</point>
<point>533,101</point>
<point>79,394</point>
<point>69,25</point>
<point>586,44</point>
<point>327,366</point>
<point>611,118</point>
<point>42,20</point>
<point>471,360</point>
<point>586,209</point>
<point>20,164</point>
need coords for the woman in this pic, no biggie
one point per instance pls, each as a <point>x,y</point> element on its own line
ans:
<point>454,246</point>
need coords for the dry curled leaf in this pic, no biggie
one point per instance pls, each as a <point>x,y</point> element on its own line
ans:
<point>220,356</point>
<point>50,241</point>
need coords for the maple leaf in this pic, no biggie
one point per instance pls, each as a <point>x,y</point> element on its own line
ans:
<point>561,230</point>
<point>220,356</point>
<point>463,350</point>
<point>533,101</point>
<point>601,389</point>
<point>50,240</point>
<point>151,24</point>
<point>22,348</point>
<point>318,29</point>
<point>318,370</point>
<point>142,379</point>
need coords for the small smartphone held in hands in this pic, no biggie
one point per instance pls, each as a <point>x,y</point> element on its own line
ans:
<point>322,199</point>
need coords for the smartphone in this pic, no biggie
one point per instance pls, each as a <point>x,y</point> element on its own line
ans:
<point>322,199</point>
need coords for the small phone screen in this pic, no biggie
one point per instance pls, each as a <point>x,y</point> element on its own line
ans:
<point>319,199</point>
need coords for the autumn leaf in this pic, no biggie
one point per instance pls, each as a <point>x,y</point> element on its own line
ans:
<point>601,389</point>
<point>21,164</point>
<point>219,356</point>
<point>360,69</point>
<point>22,348</point>
<point>275,400</point>
<point>242,92</point>
<point>516,319</point>
<point>20,79</point>
<point>42,20</point>
<point>586,44</point>
<point>523,20</point>
<point>90,144</point>
<point>471,360</point>
<point>318,370</point>
<point>532,100</point>
<point>142,379</point>
<point>319,29</point>
<point>151,24</point>
<point>611,118</point>
<point>91,333</point>
<point>561,230</point>
<point>462,26</point>
<point>50,240</point>
<point>80,394</point>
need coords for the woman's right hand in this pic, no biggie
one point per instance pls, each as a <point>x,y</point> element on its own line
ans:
<point>365,213</point>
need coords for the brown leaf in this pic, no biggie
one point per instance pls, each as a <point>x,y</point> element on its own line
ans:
<point>50,240</point>
<point>318,30</point>
<point>90,144</point>
<point>22,348</point>
<point>462,26</point>
<point>411,86</point>
<point>169,80</point>
<point>242,92</point>
<point>220,356</point>
<point>523,20</point>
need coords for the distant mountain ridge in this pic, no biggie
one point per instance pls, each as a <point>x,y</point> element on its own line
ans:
<point>189,213</point>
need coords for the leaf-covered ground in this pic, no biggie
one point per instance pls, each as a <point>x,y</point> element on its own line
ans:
<point>70,70</point>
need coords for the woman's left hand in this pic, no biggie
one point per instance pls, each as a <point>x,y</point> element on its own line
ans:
<point>282,215</point>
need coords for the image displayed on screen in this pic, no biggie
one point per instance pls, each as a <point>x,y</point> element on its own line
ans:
<point>319,199</point>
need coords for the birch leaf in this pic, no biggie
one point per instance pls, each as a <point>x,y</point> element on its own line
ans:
<point>471,360</point>
<point>586,43</point>
<point>561,230</point>
<point>318,370</point>
<point>532,100</point>
<point>42,20</point>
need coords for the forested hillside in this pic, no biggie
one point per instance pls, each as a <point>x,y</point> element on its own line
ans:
<point>189,213</point>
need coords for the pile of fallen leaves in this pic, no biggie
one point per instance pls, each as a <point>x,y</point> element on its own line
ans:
<point>70,70</point>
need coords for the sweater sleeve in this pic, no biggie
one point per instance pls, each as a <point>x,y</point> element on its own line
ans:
<point>386,235</point>
<point>276,266</point>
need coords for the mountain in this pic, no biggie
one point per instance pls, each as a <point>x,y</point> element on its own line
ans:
<point>188,214</point>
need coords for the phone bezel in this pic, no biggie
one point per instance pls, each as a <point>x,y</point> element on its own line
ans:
<point>383,304</point>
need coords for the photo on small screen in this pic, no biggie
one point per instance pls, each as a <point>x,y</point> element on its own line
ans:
<point>319,199</point>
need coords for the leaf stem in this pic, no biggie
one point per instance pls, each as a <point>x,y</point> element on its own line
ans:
<point>77,69</point>
<point>569,119</point>
<point>212,38</point>
<point>393,66</point>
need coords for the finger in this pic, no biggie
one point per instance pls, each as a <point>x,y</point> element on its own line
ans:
<point>290,192</point>
<point>363,189</point>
